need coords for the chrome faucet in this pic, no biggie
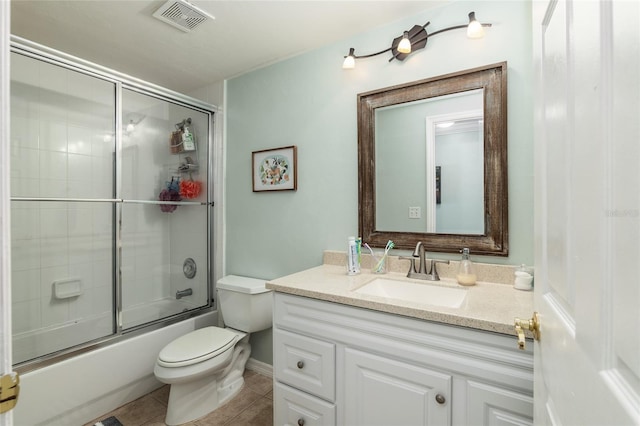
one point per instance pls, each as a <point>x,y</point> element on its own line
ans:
<point>426,269</point>
<point>182,293</point>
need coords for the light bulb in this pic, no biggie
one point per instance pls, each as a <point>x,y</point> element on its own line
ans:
<point>349,61</point>
<point>405,44</point>
<point>474,30</point>
<point>131,127</point>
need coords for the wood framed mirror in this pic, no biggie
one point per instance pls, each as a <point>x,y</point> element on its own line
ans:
<point>401,174</point>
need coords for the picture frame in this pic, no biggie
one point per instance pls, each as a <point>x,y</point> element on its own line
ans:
<point>275,169</point>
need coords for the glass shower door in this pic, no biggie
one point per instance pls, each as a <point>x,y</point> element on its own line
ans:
<point>164,234</point>
<point>62,204</point>
<point>110,206</point>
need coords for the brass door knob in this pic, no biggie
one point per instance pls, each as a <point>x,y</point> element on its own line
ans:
<point>532,325</point>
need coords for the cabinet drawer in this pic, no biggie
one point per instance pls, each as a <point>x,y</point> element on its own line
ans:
<point>491,405</point>
<point>294,408</point>
<point>305,363</point>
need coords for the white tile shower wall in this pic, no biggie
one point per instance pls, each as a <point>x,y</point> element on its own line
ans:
<point>61,121</point>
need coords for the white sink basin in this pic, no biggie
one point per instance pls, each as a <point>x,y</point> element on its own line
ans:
<point>415,292</point>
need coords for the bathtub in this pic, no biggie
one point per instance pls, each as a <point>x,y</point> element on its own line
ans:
<point>79,389</point>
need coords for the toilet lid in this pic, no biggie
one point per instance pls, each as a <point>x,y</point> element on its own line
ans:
<point>197,346</point>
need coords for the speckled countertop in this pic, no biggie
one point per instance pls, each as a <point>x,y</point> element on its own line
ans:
<point>488,306</point>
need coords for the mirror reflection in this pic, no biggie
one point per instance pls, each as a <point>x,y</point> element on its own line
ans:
<point>432,163</point>
<point>436,147</point>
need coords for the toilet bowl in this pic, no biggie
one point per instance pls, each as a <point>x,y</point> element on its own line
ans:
<point>205,367</point>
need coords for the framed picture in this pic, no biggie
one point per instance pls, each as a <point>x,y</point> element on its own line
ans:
<point>275,169</point>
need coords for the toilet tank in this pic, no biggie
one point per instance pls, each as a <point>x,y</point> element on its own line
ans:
<point>245,303</point>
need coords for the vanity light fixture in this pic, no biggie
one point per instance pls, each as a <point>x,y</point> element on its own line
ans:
<point>474,29</point>
<point>415,39</point>
<point>405,44</point>
<point>349,60</point>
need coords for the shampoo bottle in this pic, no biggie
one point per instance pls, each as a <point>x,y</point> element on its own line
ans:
<point>188,141</point>
<point>466,272</point>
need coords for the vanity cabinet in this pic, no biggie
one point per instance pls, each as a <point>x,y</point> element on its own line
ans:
<point>341,365</point>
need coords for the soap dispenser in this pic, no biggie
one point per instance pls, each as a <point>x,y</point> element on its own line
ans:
<point>466,272</point>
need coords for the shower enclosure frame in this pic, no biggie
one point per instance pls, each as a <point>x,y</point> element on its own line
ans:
<point>125,82</point>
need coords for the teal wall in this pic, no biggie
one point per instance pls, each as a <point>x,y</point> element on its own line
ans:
<point>309,101</point>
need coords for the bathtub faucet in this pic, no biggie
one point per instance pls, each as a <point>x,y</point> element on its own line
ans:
<point>182,293</point>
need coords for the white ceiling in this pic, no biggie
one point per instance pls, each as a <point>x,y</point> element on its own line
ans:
<point>245,35</point>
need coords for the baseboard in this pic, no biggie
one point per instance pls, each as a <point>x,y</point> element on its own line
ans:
<point>260,367</point>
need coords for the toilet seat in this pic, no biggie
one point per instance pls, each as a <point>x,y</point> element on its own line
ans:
<point>197,346</point>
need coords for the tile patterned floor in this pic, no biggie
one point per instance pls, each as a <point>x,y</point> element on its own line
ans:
<point>252,406</point>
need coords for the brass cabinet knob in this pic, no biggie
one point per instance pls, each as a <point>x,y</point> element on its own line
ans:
<point>300,365</point>
<point>532,325</point>
<point>300,422</point>
<point>440,399</point>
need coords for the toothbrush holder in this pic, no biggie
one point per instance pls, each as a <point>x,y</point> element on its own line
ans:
<point>379,263</point>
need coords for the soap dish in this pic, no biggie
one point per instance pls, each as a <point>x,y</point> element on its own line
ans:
<point>70,287</point>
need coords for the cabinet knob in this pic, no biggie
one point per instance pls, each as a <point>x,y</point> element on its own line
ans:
<point>300,422</point>
<point>300,365</point>
<point>440,399</point>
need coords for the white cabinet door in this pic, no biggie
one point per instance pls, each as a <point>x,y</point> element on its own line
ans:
<point>488,405</point>
<point>384,391</point>
<point>587,199</point>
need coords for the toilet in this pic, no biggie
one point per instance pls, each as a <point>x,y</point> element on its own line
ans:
<point>205,367</point>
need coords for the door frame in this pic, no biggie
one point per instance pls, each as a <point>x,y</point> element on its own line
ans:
<point>5,232</point>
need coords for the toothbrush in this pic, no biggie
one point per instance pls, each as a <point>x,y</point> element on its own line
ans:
<point>370,249</point>
<point>380,263</point>
<point>373,256</point>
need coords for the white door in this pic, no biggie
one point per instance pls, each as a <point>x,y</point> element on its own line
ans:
<point>587,189</point>
<point>5,238</point>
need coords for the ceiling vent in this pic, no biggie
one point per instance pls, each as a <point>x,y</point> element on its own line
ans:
<point>182,15</point>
